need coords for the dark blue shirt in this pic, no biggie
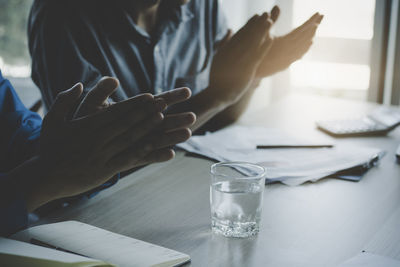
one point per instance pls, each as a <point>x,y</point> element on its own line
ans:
<point>19,141</point>
<point>74,40</point>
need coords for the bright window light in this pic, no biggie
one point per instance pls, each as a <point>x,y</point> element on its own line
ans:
<point>323,75</point>
<point>343,18</point>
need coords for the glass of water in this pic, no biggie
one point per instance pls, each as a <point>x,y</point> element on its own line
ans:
<point>236,198</point>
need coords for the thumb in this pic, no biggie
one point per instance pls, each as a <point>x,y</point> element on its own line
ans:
<point>101,92</point>
<point>275,13</point>
<point>64,103</point>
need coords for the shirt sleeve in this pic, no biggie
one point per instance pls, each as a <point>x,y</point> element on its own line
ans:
<point>20,129</point>
<point>55,34</point>
<point>14,215</point>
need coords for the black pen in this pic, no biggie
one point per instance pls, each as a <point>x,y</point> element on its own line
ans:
<point>293,146</point>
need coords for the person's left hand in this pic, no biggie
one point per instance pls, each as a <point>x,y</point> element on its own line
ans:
<point>236,61</point>
<point>288,48</point>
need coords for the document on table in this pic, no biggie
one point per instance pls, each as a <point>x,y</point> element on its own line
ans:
<point>97,243</point>
<point>289,166</point>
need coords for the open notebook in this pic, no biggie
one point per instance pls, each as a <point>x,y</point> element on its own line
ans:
<point>82,245</point>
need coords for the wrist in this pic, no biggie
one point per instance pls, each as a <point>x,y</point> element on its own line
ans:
<point>32,179</point>
<point>219,98</point>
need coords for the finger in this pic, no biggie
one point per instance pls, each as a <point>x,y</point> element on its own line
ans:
<point>319,20</point>
<point>249,24</point>
<point>125,140</point>
<point>275,13</point>
<point>178,121</point>
<point>131,109</point>
<point>101,92</point>
<point>135,154</point>
<point>63,104</point>
<point>257,54</point>
<point>168,139</point>
<point>130,159</point>
<point>243,33</point>
<point>259,32</point>
<point>250,37</point>
<point>160,155</point>
<point>312,20</point>
<point>108,132</point>
<point>175,96</point>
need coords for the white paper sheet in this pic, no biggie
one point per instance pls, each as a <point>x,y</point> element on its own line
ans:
<point>289,166</point>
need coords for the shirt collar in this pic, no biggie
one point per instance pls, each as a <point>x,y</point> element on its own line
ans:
<point>180,14</point>
<point>171,19</point>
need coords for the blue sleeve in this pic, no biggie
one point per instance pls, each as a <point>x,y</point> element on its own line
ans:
<point>13,212</point>
<point>19,141</point>
<point>20,129</point>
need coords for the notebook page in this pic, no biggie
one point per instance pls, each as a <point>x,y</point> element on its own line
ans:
<point>98,243</point>
<point>16,253</point>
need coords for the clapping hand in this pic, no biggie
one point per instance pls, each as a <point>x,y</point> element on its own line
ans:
<point>288,48</point>
<point>84,152</point>
<point>236,62</point>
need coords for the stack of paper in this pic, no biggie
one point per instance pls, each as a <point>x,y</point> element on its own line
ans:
<point>289,166</point>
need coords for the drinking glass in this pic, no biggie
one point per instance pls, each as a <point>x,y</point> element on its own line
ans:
<point>236,198</point>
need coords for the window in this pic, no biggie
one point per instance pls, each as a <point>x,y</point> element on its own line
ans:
<point>338,63</point>
<point>14,54</point>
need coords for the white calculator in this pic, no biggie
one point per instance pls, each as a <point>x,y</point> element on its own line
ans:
<point>381,121</point>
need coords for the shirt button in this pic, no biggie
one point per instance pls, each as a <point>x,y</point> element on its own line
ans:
<point>157,49</point>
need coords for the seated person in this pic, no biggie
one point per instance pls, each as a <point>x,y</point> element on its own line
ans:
<point>157,45</point>
<point>63,157</point>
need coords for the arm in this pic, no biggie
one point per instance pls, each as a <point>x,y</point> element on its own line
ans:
<point>232,75</point>
<point>232,113</point>
<point>81,154</point>
<point>282,51</point>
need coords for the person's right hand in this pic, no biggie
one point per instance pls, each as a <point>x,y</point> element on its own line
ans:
<point>83,153</point>
<point>288,48</point>
<point>235,64</point>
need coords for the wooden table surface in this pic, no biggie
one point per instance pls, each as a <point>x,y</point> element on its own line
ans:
<point>315,224</point>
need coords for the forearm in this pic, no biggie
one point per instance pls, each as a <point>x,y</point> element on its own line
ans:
<point>30,181</point>
<point>231,114</point>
